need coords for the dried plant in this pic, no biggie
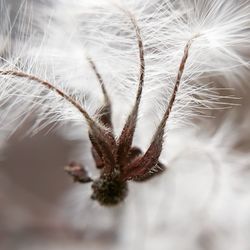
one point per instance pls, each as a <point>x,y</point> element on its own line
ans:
<point>158,33</point>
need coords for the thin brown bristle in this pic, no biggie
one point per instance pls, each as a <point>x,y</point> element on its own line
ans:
<point>100,80</point>
<point>105,112</point>
<point>126,137</point>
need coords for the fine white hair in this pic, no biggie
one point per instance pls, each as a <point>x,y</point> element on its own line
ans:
<point>55,44</point>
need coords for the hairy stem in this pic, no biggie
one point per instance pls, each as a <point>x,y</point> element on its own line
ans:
<point>142,62</point>
<point>50,86</point>
<point>151,158</point>
<point>176,85</point>
<point>126,137</point>
<point>100,80</point>
<point>97,133</point>
<point>105,112</point>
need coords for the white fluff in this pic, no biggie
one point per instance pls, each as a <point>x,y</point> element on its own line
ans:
<point>55,44</point>
<point>197,189</point>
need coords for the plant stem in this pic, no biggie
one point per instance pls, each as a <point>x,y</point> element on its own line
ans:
<point>50,86</point>
<point>126,138</point>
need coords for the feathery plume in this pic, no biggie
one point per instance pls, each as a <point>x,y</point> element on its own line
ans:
<point>162,49</point>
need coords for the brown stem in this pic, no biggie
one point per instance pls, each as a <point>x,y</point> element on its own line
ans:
<point>49,86</point>
<point>98,133</point>
<point>176,87</point>
<point>126,137</point>
<point>150,158</point>
<point>100,80</point>
<point>105,111</point>
<point>142,62</point>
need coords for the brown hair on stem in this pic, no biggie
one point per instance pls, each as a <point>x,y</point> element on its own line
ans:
<point>105,111</point>
<point>96,132</point>
<point>151,157</point>
<point>103,154</point>
<point>126,138</point>
<point>50,86</point>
